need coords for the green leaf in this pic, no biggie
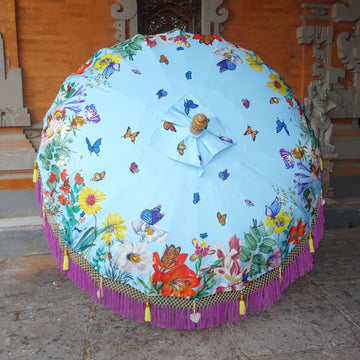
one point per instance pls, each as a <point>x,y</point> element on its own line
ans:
<point>254,269</point>
<point>265,249</point>
<point>69,212</point>
<point>269,242</point>
<point>262,229</point>
<point>245,255</point>
<point>142,282</point>
<point>258,259</point>
<point>56,170</point>
<point>76,209</point>
<point>269,231</point>
<point>250,241</point>
<point>72,195</point>
<point>243,258</point>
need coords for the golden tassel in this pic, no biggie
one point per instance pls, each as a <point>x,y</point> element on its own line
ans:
<point>311,244</point>
<point>65,266</point>
<point>147,311</point>
<point>35,172</point>
<point>43,214</point>
<point>100,292</point>
<point>280,273</point>
<point>242,307</point>
<point>321,164</point>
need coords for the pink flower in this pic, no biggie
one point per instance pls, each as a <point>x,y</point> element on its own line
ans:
<point>230,267</point>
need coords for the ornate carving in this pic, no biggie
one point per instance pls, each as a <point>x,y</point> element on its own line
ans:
<point>205,16</point>
<point>349,52</point>
<point>156,16</point>
<point>317,12</point>
<point>217,16</point>
<point>346,13</point>
<point>126,10</point>
<point>12,112</point>
<point>317,107</point>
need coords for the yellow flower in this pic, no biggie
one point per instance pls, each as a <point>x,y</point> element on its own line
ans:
<point>114,224</point>
<point>89,199</point>
<point>276,84</point>
<point>255,62</point>
<point>105,60</point>
<point>279,222</point>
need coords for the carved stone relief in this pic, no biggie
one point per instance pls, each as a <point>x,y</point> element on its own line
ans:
<point>12,112</point>
<point>128,14</point>
<point>327,97</point>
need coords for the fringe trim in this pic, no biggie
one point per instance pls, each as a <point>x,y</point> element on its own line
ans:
<point>164,316</point>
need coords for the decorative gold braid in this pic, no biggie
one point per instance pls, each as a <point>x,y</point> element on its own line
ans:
<point>179,302</point>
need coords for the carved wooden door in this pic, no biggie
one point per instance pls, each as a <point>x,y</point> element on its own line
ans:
<point>158,16</point>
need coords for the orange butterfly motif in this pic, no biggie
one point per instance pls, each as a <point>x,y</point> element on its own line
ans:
<point>98,176</point>
<point>169,126</point>
<point>164,59</point>
<point>130,135</point>
<point>221,218</point>
<point>251,132</point>
<point>170,253</point>
<point>274,100</point>
<point>181,147</point>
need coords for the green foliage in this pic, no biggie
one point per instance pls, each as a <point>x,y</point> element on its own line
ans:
<point>257,244</point>
<point>130,47</point>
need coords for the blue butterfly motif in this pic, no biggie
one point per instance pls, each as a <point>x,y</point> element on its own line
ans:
<point>196,198</point>
<point>223,175</point>
<point>94,148</point>
<point>188,75</point>
<point>281,125</point>
<point>189,104</point>
<point>273,209</point>
<point>226,65</point>
<point>77,229</point>
<point>152,216</point>
<point>204,235</point>
<point>110,69</point>
<point>161,93</point>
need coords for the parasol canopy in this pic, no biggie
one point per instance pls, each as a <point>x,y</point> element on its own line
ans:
<point>180,180</point>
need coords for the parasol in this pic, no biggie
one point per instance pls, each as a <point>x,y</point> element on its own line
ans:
<point>180,180</point>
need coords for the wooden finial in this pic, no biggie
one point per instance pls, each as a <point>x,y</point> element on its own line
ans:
<point>198,124</point>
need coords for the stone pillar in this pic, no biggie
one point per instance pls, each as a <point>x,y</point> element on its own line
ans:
<point>16,152</point>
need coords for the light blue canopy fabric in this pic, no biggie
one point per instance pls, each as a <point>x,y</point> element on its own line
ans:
<point>150,205</point>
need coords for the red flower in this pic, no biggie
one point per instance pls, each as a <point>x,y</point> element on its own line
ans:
<point>178,278</point>
<point>79,179</point>
<point>52,178</point>
<point>83,67</point>
<point>65,187</point>
<point>63,200</point>
<point>207,39</point>
<point>182,282</point>
<point>297,232</point>
<point>63,175</point>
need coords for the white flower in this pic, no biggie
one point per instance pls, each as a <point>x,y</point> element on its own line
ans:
<point>61,161</point>
<point>228,54</point>
<point>149,233</point>
<point>133,257</point>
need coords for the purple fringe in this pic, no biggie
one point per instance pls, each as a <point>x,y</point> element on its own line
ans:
<point>172,317</point>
